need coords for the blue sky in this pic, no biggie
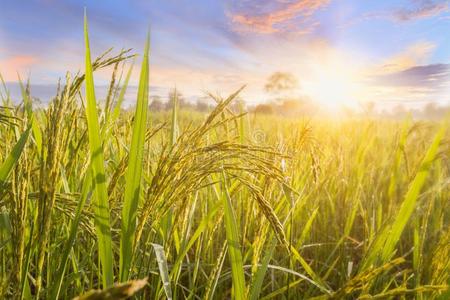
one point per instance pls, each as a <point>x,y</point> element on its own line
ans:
<point>340,51</point>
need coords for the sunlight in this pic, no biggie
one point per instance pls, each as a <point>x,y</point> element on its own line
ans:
<point>333,86</point>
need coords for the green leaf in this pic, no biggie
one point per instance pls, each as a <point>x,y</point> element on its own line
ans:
<point>13,157</point>
<point>134,171</point>
<point>382,249</point>
<point>234,251</point>
<point>102,222</point>
<point>409,203</point>
<point>174,126</point>
<point>200,229</point>
<point>28,104</point>
<point>258,279</point>
<point>116,111</point>
<point>58,280</point>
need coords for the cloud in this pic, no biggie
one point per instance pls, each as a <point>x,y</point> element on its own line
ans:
<point>415,10</point>
<point>9,67</point>
<point>431,77</point>
<point>407,77</point>
<point>275,16</point>
<point>421,9</point>
<point>413,55</point>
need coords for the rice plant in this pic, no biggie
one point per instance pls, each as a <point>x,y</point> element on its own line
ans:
<point>99,202</point>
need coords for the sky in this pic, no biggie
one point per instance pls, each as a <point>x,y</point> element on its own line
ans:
<point>342,52</point>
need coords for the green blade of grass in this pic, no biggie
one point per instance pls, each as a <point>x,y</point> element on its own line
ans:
<point>26,98</point>
<point>102,221</point>
<point>211,285</point>
<point>279,292</point>
<point>398,158</point>
<point>116,111</point>
<point>134,171</point>
<point>234,251</point>
<point>37,134</point>
<point>258,279</point>
<point>6,96</point>
<point>58,280</point>
<point>201,227</point>
<point>25,292</point>
<point>5,232</point>
<point>316,280</point>
<point>307,228</point>
<point>384,245</point>
<point>242,123</point>
<point>13,157</point>
<point>174,126</point>
<point>409,203</point>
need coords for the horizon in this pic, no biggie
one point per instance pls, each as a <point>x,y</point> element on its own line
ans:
<point>341,53</point>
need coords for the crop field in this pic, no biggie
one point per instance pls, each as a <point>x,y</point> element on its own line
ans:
<point>99,202</point>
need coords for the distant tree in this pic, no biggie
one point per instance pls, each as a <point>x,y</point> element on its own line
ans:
<point>201,105</point>
<point>281,82</point>
<point>156,104</point>
<point>433,111</point>
<point>290,106</point>
<point>266,109</point>
<point>399,111</point>
<point>296,106</point>
<point>368,107</point>
<point>282,86</point>
<point>36,100</point>
<point>182,103</point>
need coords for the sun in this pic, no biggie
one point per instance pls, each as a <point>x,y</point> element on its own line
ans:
<point>333,86</point>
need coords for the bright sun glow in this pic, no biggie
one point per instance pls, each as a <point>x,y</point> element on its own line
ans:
<point>333,86</point>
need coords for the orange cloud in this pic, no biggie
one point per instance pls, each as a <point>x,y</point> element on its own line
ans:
<point>412,56</point>
<point>267,22</point>
<point>10,66</point>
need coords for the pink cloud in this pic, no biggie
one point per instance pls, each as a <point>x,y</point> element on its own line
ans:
<point>10,66</point>
<point>270,21</point>
<point>415,10</point>
<point>422,9</point>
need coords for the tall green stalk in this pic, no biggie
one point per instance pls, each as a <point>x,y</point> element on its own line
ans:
<point>234,251</point>
<point>12,159</point>
<point>102,221</point>
<point>134,171</point>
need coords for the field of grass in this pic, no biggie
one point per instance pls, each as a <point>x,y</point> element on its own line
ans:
<point>218,206</point>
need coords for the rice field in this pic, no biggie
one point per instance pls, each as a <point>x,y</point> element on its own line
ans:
<point>98,202</point>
